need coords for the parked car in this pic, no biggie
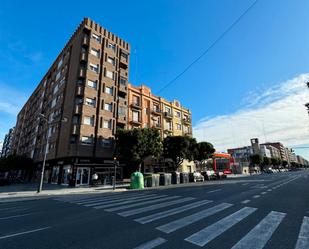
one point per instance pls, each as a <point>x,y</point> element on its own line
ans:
<point>196,177</point>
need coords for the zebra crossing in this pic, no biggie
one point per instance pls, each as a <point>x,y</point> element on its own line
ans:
<point>170,214</point>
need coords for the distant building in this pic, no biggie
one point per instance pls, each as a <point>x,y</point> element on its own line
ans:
<point>281,148</point>
<point>274,152</point>
<point>7,143</point>
<point>147,110</point>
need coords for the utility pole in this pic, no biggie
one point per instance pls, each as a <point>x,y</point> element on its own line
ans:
<point>115,168</point>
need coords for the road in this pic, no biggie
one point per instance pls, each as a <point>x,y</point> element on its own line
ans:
<point>262,211</point>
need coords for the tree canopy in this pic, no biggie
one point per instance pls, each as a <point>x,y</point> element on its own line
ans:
<point>137,144</point>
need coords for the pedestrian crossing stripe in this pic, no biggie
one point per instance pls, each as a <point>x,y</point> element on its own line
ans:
<point>187,220</point>
<point>262,232</point>
<point>177,210</point>
<point>154,207</point>
<point>207,234</point>
<point>303,237</point>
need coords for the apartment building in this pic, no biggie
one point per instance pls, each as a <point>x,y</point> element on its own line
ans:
<point>7,144</point>
<point>82,99</point>
<point>147,110</point>
<point>281,149</point>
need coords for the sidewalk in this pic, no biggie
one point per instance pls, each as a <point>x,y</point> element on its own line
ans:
<point>26,191</point>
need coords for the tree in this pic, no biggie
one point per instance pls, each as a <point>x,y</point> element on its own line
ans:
<point>284,163</point>
<point>179,148</point>
<point>265,162</point>
<point>203,151</point>
<point>137,144</point>
<point>256,159</point>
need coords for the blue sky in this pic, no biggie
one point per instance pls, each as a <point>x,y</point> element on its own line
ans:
<point>267,49</point>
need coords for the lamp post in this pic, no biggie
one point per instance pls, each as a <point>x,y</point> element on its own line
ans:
<point>46,148</point>
<point>115,167</point>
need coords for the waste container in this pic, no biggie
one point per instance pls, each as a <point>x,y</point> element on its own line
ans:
<point>156,179</point>
<point>165,179</point>
<point>184,177</point>
<point>149,180</point>
<point>137,180</point>
<point>175,178</point>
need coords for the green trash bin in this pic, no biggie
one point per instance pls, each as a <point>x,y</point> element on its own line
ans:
<point>137,180</point>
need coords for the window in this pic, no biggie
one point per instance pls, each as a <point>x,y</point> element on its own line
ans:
<point>73,139</point>
<point>108,107</point>
<point>58,75</point>
<point>96,37</point>
<point>122,110</point>
<point>169,126</point>
<point>168,110</point>
<point>135,116</point>
<point>89,121</point>
<point>75,119</point>
<point>124,56</point>
<point>78,101</point>
<point>56,88</point>
<point>59,64</point>
<point>123,81</point>
<point>177,114</point>
<point>109,74</point>
<point>135,100</point>
<point>106,143</point>
<point>111,60</point>
<point>109,90</point>
<point>156,108</point>
<point>107,124</point>
<point>112,46</point>
<point>53,102</point>
<point>94,68</point>
<point>87,140</point>
<point>178,126</point>
<point>92,84</point>
<point>95,52</point>
<point>90,102</point>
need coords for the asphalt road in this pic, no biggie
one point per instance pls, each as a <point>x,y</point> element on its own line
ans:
<point>262,211</point>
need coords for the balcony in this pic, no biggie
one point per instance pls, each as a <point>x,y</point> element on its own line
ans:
<point>85,40</point>
<point>78,109</point>
<point>122,119</point>
<point>82,73</point>
<point>188,133</point>
<point>136,105</point>
<point>136,122</point>
<point>157,126</point>
<point>187,120</point>
<point>168,115</point>
<point>156,111</point>
<point>80,91</point>
<point>168,131</point>
<point>83,56</point>
<point>76,130</point>
<point>123,89</point>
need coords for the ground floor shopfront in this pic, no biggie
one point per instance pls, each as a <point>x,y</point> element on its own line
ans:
<point>82,173</point>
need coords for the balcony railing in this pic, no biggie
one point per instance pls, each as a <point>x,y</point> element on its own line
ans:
<point>168,115</point>
<point>136,105</point>
<point>156,111</point>
<point>187,120</point>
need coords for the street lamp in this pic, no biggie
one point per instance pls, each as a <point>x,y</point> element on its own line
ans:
<point>115,167</point>
<point>46,147</point>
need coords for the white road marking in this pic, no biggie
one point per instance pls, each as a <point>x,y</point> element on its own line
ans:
<point>245,201</point>
<point>201,238</point>
<point>244,184</point>
<point>269,190</point>
<point>213,191</point>
<point>182,222</point>
<point>138,204</point>
<point>107,198</point>
<point>14,216</point>
<point>121,202</point>
<point>261,233</point>
<point>26,232</point>
<point>263,193</point>
<point>256,196</point>
<point>153,207</point>
<point>152,243</point>
<point>303,237</point>
<point>177,210</point>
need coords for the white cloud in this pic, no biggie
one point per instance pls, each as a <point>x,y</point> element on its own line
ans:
<point>274,114</point>
<point>11,100</point>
